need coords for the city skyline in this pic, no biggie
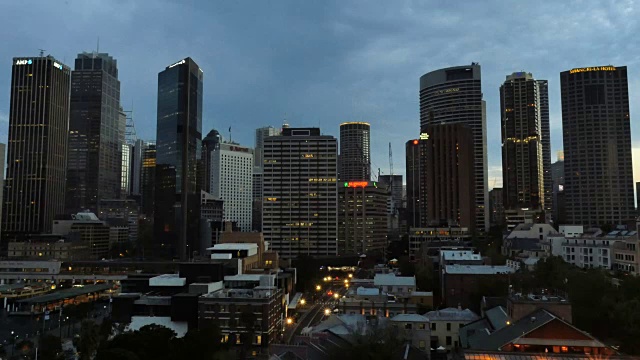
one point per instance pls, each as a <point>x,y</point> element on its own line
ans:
<point>367,70</point>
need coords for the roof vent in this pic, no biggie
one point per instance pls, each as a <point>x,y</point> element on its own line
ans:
<point>533,319</point>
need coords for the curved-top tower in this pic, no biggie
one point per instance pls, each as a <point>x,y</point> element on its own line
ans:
<point>454,95</point>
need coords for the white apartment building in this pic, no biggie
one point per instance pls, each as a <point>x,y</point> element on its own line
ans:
<point>300,194</point>
<point>588,253</point>
<point>232,182</point>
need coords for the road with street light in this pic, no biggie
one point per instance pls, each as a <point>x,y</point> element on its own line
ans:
<point>323,304</point>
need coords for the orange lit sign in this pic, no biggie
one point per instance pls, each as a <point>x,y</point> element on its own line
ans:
<point>355,184</point>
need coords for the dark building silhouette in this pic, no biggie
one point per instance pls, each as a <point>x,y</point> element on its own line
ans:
<point>414,150</point>
<point>178,151</point>
<point>37,147</point>
<point>355,151</point>
<point>557,178</point>
<point>496,207</point>
<point>454,95</point>
<point>597,146</point>
<point>209,143</point>
<point>148,179</point>
<point>448,176</point>
<point>96,133</point>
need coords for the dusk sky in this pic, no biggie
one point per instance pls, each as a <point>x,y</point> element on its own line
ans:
<point>320,63</point>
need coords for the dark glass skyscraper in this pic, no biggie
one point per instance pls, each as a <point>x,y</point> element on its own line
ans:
<point>454,95</point>
<point>178,152</point>
<point>598,170</point>
<point>37,149</point>
<point>415,187</point>
<point>148,178</point>
<point>209,143</point>
<point>96,133</point>
<point>522,147</point>
<point>355,151</point>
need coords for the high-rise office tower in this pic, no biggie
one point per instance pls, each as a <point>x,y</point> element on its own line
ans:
<point>557,178</point>
<point>454,95</point>
<point>178,147</point>
<point>597,146</point>
<point>232,182</point>
<point>355,151</point>
<point>523,169</point>
<point>2,152</point>
<point>210,143</point>
<point>496,207</point>
<point>300,192</point>
<point>37,151</point>
<point>96,133</point>
<point>125,173</point>
<point>148,178</point>
<point>448,176</point>
<point>543,88</point>
<point>362,217</point>
<point>135,171</point>
<point>261,134</point>
<point>415,191</point>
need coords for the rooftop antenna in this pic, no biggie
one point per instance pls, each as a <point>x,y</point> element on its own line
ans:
<point>98,46</point>
<point>42,52</point>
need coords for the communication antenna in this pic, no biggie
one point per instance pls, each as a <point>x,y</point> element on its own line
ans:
<point>42,52</point>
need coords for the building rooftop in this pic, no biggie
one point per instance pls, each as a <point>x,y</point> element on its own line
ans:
<point>548,298</point>
<point>478,269</point>
<point>452,314</point>
<point>393,280</point>
<point>422,293</point>
<point>363,291</point>
<point>494,339</point>
<point>410,318</point>
<point>245,277</point>
<point>259,292</point>
<point>66,294</point>
<point>167,280</point>
<point>516,243</point>
<point>449,255</point>
<point>233,246</point>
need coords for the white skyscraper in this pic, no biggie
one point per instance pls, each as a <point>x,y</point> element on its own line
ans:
<point>232,182</point>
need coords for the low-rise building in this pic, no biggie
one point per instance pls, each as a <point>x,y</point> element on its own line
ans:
<point>532,231</point>
<point>48,247</point>
<point>519,306</point>
<point>226,307</point>
<point>415,328</point>
<point>626,255</point>
<point>523,247</point>
<point>516,217</point>
<point>445,325</point>
<point>92,231</point>
<point>396,285</point>
<point>571,231</point>
<point>424,237</point>
<point>459,282</point>
<point>539,332</point>
<point>588,252</point>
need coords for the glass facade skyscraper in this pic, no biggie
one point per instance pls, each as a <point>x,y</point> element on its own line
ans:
<point>598,169</point>
<point>178,153</point>
<point>36,166</point>
<point>96,133</point>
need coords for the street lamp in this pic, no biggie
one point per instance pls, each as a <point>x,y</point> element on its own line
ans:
<point>318,287</point>
<point>303,301</point>
<point>289,321</point>
<point>336,295</point>
<point>327,312</point>
<point>346,281</point>
<point>350,276</point>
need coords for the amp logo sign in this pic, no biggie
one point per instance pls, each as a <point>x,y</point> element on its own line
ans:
<point>24,62</point>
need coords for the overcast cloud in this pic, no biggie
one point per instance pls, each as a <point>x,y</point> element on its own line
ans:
<point>319,63</point>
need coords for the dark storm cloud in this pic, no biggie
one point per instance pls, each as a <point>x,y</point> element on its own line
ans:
<point>320,63</point>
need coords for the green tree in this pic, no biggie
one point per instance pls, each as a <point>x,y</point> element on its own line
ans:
<point>88,340</point>
<point>371,342</point>
<point>50,348</point>
<point>116,354</point>
<point>25,349</point>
